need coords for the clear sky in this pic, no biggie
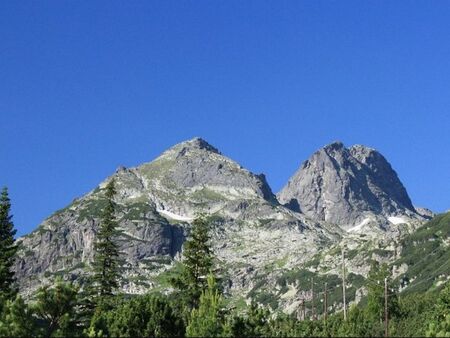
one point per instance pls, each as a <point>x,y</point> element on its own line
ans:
<point>86,86</point>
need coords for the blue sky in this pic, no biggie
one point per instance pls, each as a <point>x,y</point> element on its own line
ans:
<point>87,86</point>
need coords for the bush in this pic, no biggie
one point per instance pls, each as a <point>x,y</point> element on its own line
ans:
<point>148,315</point>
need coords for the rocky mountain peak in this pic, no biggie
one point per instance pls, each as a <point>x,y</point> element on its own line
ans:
<point>368,155</point>
<point>361,149</point>
<point>334,146</point>
<point>197,145</point>
<point>344,185</point>
<point>193,176</point>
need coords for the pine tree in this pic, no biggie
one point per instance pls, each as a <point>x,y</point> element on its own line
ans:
<point>56,310</point>
<point>197,263</point>
<point>16,319</point>
<point>106,259</point>
<point>8,248</point>
<point>207,320</point>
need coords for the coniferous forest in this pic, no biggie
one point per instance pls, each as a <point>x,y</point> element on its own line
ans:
<point>197,305</point>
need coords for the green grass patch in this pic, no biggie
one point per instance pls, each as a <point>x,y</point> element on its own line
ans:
<point>206,194</point>
<point>164,278</point>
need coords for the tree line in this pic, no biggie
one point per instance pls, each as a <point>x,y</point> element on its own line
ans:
<point>197,306</point>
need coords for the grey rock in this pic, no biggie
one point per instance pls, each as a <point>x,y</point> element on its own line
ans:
<point>425,213</point>
<point>344,186</point>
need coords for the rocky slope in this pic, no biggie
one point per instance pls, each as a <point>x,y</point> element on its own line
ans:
<point>266,251</point>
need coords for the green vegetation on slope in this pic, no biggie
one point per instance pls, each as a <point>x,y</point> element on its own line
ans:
<point>427,254</point>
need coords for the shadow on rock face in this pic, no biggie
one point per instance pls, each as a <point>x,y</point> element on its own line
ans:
<point>177,239</point>
<point>293,205</point>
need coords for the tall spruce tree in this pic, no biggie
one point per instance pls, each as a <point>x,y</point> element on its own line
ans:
<point>8,248</point>
<point>197,263</point>
<point>106,259</point>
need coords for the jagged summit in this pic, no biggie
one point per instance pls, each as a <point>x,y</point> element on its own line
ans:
<point>361,148</point>
<point>196,143</point>
<point>345,186</point>
<point>336,145</point>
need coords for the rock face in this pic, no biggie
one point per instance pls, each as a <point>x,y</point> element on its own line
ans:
<point>346,186</point>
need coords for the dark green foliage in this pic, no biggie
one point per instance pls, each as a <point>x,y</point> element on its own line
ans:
<point>207,320</point>
<point>56,310</point>
<point>106,259</point>
<point>439,325</point>
<point>8,248</point>
<point>255,323</point>
<point>442,309</point>
<point>282,326</point>
<point>357,324</point>
<point>196,264</point>
<point>375,298</point>
<point>258,322</point>
<point>54,313</point>
<point>142,316</point>
<point>415,314</point>
<point>16,319</point>
<point>267,299</point>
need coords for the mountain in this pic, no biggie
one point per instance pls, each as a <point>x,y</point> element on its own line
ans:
<point>156,202</point>
<point>268,251</point>
<point>350,187</point>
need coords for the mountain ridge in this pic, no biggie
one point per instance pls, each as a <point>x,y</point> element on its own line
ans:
<point>254,236</point>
